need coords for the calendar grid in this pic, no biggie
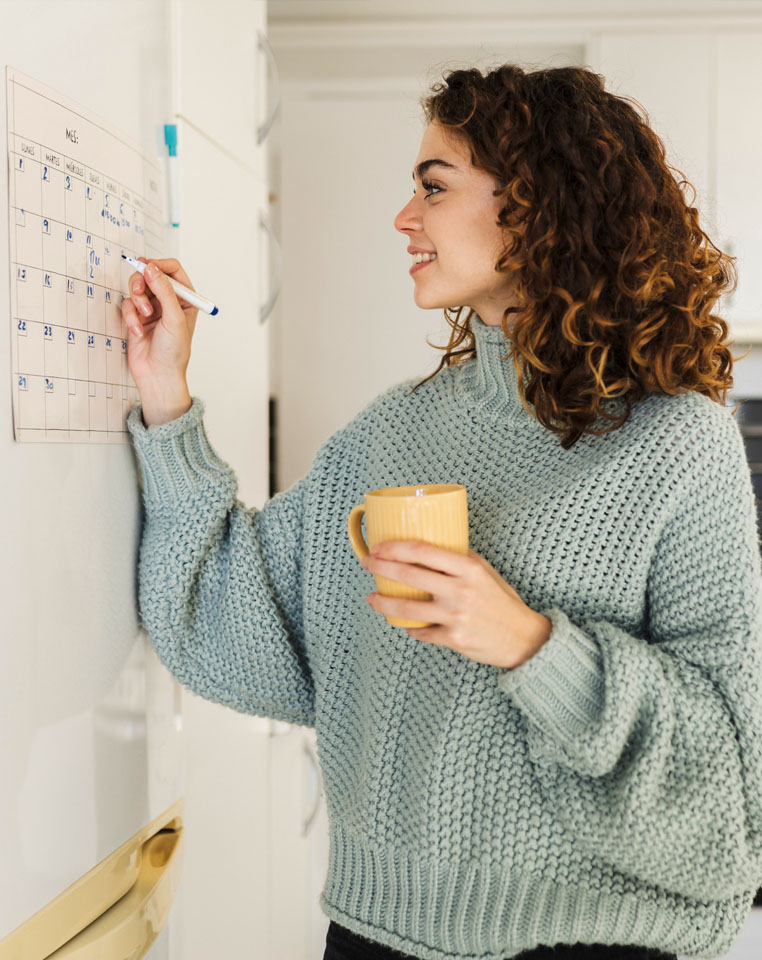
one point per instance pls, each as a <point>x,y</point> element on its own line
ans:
<point>70,222</point>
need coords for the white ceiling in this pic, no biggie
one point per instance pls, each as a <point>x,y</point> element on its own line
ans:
<point>327,11</point>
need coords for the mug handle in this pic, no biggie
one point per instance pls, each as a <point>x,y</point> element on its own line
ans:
<point>354,529</point>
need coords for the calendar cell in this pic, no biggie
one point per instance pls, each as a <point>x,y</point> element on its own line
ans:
<point>28,239</point>
<point>53,245</point>
<point>76,303</point>
<point>27,285</point>
<point>52,187</point>
<point>26,176</point>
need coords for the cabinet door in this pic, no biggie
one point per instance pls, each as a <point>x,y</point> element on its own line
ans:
<point>668,73</point>
<point>221,72</point>
<point>299,846</point>
<point>222,250</point>
<point>739,192</point>
<point>224,890</point>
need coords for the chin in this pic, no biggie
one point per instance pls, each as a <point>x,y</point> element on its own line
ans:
<point>429,301</point>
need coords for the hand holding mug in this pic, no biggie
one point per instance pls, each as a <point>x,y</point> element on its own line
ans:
<point>433,585</point>
<point>472,609</point>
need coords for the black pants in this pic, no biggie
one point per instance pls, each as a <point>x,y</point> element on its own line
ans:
<point>343,944</point>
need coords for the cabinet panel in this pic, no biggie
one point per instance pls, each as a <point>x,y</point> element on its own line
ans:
<point>299,846</point>
<point>739,190</point>
<point>221,73</point>
<point>223,249</point>
<point>225,886</point>
<point>669,74</point>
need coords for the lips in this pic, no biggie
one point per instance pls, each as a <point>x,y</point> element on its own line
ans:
<point>423,263</point>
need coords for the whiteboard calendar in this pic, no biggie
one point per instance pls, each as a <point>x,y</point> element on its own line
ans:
<point>81,193</point>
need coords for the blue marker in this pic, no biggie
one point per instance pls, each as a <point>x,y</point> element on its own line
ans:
<point>170,139</point>
<point>182,291</point>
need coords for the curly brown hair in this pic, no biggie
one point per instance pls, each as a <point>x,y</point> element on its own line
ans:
<point>614,277</point>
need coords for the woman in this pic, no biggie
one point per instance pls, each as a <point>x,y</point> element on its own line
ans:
<point>568,762</point>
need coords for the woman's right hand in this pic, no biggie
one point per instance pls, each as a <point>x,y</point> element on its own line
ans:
<point>160,326</point>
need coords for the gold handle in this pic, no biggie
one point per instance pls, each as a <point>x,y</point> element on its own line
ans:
<point>354,529</point>
<point>130,926</point>
<point>114,910</point>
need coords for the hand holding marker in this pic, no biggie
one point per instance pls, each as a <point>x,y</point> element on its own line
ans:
<point>185,292</point>
<point>159,341</point>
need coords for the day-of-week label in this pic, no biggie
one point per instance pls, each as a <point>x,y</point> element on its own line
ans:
<point>24,146</point>
<point>125,194</point>
<point>52,159</point>
<point>75,168</point>
<point>93,177</point>
<point>112,187</point>
<point>137,202</point>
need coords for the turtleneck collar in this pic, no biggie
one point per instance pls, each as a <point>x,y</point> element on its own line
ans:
<point>488,384</point>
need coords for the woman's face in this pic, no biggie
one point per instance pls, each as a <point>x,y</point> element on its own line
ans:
<point>455,216</point>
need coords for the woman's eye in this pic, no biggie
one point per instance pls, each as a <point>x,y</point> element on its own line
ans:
<point>429,186</point>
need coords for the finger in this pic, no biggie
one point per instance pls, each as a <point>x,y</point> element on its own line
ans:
<point>410,574</point>
<point>162,288</point>
<point>131,318</point>
<point>172,268</point>
<point>137,288</point>
<point>486,565</point>
<point>427,554</point>
<point>155,307</point>
<point>423,610</point>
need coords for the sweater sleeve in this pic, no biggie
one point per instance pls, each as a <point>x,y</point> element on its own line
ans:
<point>650,750</point>
<point>219,584</point>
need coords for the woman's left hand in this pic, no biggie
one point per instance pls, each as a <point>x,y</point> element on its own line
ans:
<point>472,610</point>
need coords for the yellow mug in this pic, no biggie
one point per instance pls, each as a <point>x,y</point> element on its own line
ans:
<point>432,512</point>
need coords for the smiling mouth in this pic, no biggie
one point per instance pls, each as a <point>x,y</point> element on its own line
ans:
<point>423,263</point>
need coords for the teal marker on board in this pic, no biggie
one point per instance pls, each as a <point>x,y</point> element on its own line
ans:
<point>195,299</point>
<point>170,138</point>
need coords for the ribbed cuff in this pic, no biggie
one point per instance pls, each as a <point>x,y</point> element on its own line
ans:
<point>176,460</point>
<point>560,688</point>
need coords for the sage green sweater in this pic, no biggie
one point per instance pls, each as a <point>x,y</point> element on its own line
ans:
<point>608,790</point>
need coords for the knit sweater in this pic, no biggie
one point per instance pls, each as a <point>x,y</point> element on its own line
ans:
<point>608,789</point>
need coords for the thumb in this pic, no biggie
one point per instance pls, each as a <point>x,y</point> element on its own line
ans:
<point>159,285</point>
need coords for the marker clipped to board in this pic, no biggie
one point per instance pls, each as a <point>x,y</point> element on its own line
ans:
<point>180,289</point>
<point>170,139</point>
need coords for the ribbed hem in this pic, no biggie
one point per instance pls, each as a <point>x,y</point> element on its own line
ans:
<point>560,688</point>
<point>437,910</point>
<point>176,460</point>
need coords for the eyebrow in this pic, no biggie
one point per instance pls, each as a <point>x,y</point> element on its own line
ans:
<point>424,165</point>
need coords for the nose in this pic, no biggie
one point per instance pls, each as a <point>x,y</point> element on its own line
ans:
<point>409,217</point>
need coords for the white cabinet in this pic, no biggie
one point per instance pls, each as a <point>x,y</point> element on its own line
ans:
<point>696,88</point>
<point>738,146</point>
<point>221,72</point>
<point>226,881</point>
<point>225,886</point>
<point>222,250</point>
<point>669,75</point>
<point>225,891</point>
<point>300,846</point>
